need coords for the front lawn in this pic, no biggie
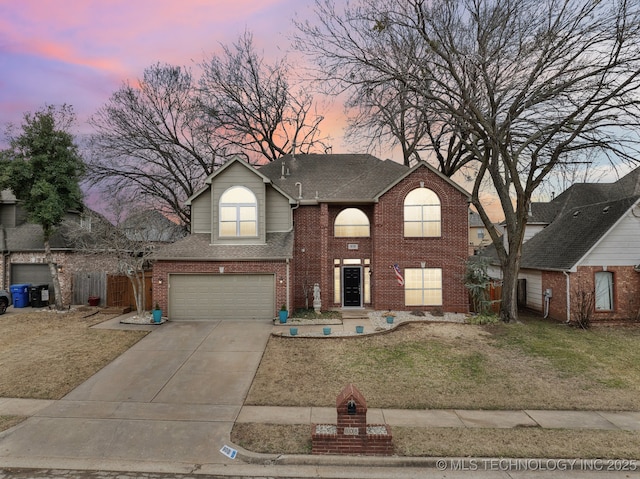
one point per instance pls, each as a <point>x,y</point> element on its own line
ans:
<point>45,354</point>
<point>534,364</point>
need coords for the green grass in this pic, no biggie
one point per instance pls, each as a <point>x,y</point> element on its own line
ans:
<point>535,364</point>
<point>610,356</point>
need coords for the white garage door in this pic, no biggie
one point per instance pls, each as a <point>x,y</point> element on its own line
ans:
<point>221,296</point>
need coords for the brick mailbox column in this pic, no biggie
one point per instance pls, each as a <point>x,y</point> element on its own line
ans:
<point>351,435</point>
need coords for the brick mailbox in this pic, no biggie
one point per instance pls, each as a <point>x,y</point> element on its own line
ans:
<point>351,435</point>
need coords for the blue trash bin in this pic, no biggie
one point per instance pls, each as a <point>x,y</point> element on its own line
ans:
<point>20,295</point>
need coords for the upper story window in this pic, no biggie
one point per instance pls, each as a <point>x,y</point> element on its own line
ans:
<point>351,222</point>
<point>238,213</point>
<point>422,214</point>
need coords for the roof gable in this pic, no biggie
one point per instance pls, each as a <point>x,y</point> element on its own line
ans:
<point>562,244</point>
<point>424,164</point>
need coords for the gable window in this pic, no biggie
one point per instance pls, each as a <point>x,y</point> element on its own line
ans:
<point>423,287</point>
<point>238,213</point>
<point>351,222</point>
<point>422,214</point>
<point>604,291</point>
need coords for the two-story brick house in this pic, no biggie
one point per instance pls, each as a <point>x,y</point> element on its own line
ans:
<point>262,237</point>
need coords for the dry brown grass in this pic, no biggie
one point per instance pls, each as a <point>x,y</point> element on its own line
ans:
<point>44,355</point>
<point>458,366</point>
<point>447,442</point>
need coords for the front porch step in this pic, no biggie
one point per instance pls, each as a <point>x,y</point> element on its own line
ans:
<point>355,313</point>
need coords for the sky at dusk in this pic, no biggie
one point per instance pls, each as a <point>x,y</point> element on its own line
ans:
<point>79,52</point>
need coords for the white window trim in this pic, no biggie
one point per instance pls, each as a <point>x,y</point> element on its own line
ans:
<point>237,220</point>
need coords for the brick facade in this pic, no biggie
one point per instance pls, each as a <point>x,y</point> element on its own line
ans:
<point>316,247</point>
<point>626,284</point>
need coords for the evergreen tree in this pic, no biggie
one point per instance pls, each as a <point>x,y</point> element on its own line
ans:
<point>43,167</point>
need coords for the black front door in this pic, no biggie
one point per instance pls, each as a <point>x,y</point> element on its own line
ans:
<point>352,286</point>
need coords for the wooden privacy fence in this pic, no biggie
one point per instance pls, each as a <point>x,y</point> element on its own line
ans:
<point>494,291</point>
<point>113,291</point>
<point>120,292</point>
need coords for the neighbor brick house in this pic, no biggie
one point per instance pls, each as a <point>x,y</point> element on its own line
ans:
<point>582,251</point>
<point>23,256</point>
<point>262,237</point>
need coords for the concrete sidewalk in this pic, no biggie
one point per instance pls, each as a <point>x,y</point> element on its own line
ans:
<point>430,418</point>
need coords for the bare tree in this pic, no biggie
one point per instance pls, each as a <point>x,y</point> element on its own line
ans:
<point>151,141</point>
<point>346,46</point>
<point>255,106</point>
<point>521,84</point>
<point>131,240</point>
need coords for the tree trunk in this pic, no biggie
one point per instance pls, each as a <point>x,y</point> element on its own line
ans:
<point>57,291</point>
<point>511,267</point>
<point>509,298</point>
<point>138,291</point>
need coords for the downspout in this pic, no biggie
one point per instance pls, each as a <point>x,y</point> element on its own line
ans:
<point>288,260</point>
<point>568,288</point>
<point>288,284</point>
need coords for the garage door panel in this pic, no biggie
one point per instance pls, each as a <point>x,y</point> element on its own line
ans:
<point>228,296</point>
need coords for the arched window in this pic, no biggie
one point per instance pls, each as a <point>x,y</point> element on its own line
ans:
<point>351,222</point>
<point>422,214</point>
<point>238,212</point>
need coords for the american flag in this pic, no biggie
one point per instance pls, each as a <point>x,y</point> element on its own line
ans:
<point>399,277</point>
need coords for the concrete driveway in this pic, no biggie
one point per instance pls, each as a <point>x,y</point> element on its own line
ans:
<point>173,397</point>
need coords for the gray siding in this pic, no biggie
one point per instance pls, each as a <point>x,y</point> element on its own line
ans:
<point>619,247</point>
<point>201,213</point>
<point>278,212</point>
<point>239,175</point>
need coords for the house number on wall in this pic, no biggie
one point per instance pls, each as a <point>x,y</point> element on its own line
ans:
<point>351,431</point>
<point>352,246</point>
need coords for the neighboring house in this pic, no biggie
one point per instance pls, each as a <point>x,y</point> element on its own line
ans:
<point>263,237</point>
<point>582,251</point>
<point>479,237</point>
<point>22,247</point>
<point>151,226</point>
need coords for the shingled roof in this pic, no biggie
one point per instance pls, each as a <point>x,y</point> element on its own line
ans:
<point>581,194</point>
<point>562,244</point>
<point>339,177</point>
<point>198,247</point>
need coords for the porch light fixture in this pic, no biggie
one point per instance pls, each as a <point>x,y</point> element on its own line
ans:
<point>423,264</point>
<point>60,268</point>
<point>160,281</point>
<point>221,269</point>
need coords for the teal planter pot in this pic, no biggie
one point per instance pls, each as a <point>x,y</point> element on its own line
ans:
<point>157,315</point>
<point>283,316</point>
<point>359,329</point>
<point>326,331</point>
<point>389,319</point>
<point>293,331</point>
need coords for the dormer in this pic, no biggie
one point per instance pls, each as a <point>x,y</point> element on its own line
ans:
<point>239,205</point>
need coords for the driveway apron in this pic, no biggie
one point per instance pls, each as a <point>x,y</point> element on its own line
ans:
<point>172,397</point>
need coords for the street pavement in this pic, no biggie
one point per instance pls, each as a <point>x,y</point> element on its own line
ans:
<point>165,409</point>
